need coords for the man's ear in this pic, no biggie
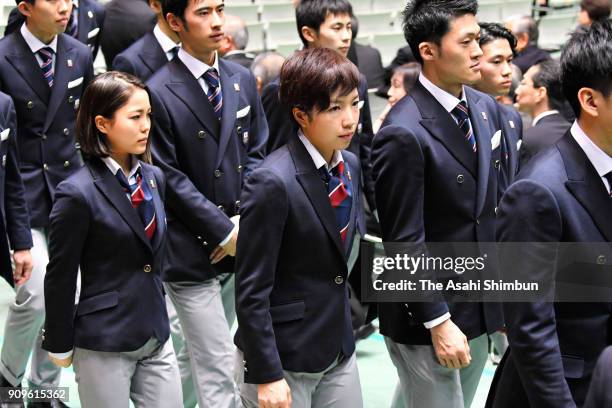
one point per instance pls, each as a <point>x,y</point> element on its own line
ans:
<point>428,50</point>
<point>25,8</point>
<point>541,93</point>
<point>309,34</point>
<point>589,101</point>
<point>300,117</point>
<point>175,23</point>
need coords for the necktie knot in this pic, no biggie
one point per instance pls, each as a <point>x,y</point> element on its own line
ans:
<point>461,110</point>
<point>214,91</point>
<point>46,55</point>
<point>174,51</point>
<point>212,77</point>
<point>461,113</point>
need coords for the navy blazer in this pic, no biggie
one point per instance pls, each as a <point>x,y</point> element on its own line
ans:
<point>91,20</point>
<point>553,346</point>
<point>291,293</point>
<point>14,219</point>
<point>431,187</point>
<point>45,116</point>
<point>600,394</point>
<point>547,131</point>
<point>204,160</point>
<point>94,226</point>
<point>512,133</point>
<point>282,127</point>
<point>143,58</point>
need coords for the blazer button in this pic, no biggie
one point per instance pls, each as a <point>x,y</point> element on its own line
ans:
<point>204,243</point>
<point>339,280</point>
<point>30,104</point>
<point>495,210</point>
<point>70,99</point>
<point>221,207</point>
<point>45,167</point>
<point>201,134</point>
<point>218,173</point>
<point>237,204</point>
<point>601,260</point>
<point>477,221</point>
<point>43,136</point>
<point>239,168</point>
<point>497,164</point>
<point>66,131</point>
<point>238,129</point>
<point>66,163</point>
<point>460,179</point>
<point>147,268</point>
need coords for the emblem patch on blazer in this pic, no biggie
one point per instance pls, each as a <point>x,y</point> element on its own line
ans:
<point>511,122</point>
<point>237,87</point>
<point>484,115</point>
<point>90,14</point>
<point>245,138</point>
<point>70,63</point>
<point>152,183</point>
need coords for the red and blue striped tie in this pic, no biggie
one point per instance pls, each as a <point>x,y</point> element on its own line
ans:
<point>214,91</point>
<point>340,197</point>
<point>142,201</point>
<point>46,54</point>
<point>461,113</point>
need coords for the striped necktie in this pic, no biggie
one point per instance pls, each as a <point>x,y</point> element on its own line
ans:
<point>214,91</point>
<point>460,112</point>
<point>609,178</point>
<point>46,54</point>
<point>142,201</point>
<point>339,192</point>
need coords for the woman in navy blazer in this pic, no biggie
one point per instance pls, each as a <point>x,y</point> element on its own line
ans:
<point>109,220</point>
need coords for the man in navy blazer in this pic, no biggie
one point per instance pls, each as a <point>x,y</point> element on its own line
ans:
<point>86,21</point>
<point>207,140</point>
<point>563,196</point>
<point>45,73</point>
<point>435,182</point>
<point>295,335</point>
<point>152,51</point>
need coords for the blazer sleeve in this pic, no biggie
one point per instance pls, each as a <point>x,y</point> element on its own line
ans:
<point>17,216</point>
<point>123,64</point>
<point>186,202</point>
<point>66,241</point>
<point>365,145</point>
<point>399,181</point>
<point>529,213</point>
<point>262,222</point>
<point>256,149</point>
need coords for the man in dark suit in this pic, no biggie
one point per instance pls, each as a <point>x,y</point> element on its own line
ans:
<point>125,22</point>
<point>540,95</point>
<point>525,29</point>
<point>564,196</point>
<point>209,134</point>
<point>235,42</point>
<point>86,21</point>
<point>435,182</point>
<point>151,52</point>
<point>599,395</point>
<point>45,72</point>
<point>368,58</point>
<point>291,282</point>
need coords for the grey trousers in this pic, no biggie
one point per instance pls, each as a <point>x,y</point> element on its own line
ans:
<point>22,331</point>
<point>336,387</point>
<point>207,344</point>
<point>425,383</point>
<point>148,376</point>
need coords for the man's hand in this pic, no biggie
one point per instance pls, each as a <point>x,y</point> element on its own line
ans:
<point>23,266</point>
<point>451,345</point>
<point>274,395</point>
<point>65,363</point>
<point>229,248</point>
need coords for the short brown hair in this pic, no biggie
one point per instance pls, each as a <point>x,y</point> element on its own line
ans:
<point>106,94</point>
<point>596,9</point>
<point>309,78</point>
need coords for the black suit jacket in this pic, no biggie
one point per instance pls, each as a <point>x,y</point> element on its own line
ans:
<point>544,134</point>
<point>291,293</point>
<point>241,57</point>
<point>14,219</point>
<point>553,346</point>
<point>91,19</point>
<point>125,22</point>
<point>508,153</point>
<point>93,226</point>
<point>600,395</point>
<point>205,161</point>
<point>370,64</point>
<point>45,116</point>
<point>431,187</point>
<point>143,58</point>
<point>530,56</point>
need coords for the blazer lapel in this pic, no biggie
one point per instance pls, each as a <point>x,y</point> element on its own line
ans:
<point>26,64</point>
<point>153,56</point>
<point>310,180</point>
<point>188,90</point>
<point>108,185</point>
<point>441,125</point>
<point>61,77</point>
<point>348,244</point>
<point>478,113</point>
<point>586,185</point>
<point>160,214</point>
<point>230,104</point>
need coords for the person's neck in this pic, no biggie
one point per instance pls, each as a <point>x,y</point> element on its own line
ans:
<point>452,88</point>
<point>207,57</point>
<point>124,160</point>
<point>44,37</point>
<point>326,153</point>
<point>165,28</point>
<point>597,134</point>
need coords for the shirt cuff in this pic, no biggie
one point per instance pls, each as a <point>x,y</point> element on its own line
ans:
<point>229,236</point>
<point>438,320</point>
<point>61,356</point>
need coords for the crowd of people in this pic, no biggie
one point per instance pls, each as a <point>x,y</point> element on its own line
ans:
<point>193,185</point>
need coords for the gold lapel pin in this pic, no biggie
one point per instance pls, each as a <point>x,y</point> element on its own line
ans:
<point>484,115</point>
<point>237,87</point>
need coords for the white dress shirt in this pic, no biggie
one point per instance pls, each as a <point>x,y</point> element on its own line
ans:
<point>316,157</point>
<point>198,68</point>
<point>598,158</point>
<point>35,45</point>
<point>165,42</point>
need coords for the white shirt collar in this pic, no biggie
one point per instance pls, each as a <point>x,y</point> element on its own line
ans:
<point>598,158</point>
<point>34,43</point>
<point>195,66</point>
<point>543,115</point>
<point>318,160</point>
<point>75,3</point>
<point>448,101</point>
<point>114,167</point>
<point>164,41</point>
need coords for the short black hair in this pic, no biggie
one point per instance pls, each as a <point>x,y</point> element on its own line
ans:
<point>429,20</point>
<point>549,77</point>
<point>596,9</point>
<point>309,77</point>
<point>176,7</point>
<point>494,31</point>
<point>586,62</point>
<point>312,13</point>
